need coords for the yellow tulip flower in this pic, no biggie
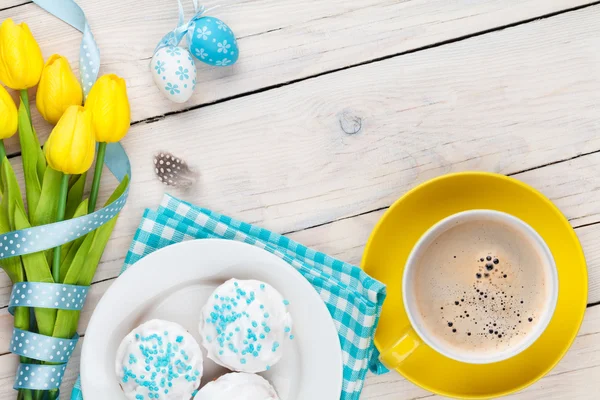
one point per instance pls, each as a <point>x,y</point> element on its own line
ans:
<point>70,148</point>
<point>58,89</point>
<point>108,102</point>
<point>21,60</point>
<point>8,113</point>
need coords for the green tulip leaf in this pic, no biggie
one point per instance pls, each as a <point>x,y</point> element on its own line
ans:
<point>79,261</point>
<point>37,270</point>
<point>45,213</point>
<point>41,157</point>
<point>30,152</point>
<point>11,198</point>
<point>70,249</point>
<point>84,265</point>
<point>101,236</point>
<point>75,195</point>
<point>12,266</point>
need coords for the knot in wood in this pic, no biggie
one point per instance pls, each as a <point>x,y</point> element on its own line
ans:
<point>350,123</point>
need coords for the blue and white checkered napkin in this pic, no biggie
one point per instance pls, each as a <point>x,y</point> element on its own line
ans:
<point>352,297</point>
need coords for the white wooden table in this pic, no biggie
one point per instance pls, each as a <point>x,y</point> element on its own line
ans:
<point>337,107</point>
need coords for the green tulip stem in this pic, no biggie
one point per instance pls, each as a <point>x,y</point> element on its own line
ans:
<point>25,100</point>
<point>60,215</point>
<point>97,176</point>
<point>2,151</point>
<point>22,317</point>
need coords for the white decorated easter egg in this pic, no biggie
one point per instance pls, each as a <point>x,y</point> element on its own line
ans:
<point>174,73</point>
<point>212,42</point>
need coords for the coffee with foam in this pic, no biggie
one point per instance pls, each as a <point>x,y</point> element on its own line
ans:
<point>481,288</point>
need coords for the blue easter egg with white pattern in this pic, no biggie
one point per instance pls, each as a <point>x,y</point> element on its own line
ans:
<point>212,42</point>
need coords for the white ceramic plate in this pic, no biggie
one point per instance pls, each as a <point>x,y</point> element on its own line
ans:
<point>174,283</point>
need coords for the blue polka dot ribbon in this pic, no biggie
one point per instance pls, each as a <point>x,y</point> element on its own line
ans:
<point>56,351</point>
<point>39,377</point>
<point>42,348</point>
<point>47,295</point>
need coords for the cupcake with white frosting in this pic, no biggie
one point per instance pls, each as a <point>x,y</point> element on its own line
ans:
<point>238,386</point>
<point>245,326</point>
<point>159,360</point>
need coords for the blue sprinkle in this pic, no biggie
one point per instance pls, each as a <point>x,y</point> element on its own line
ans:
<point>179,339</point>
<point>285,302</point>
<point>243,361</point>
<point>262,286</point>
<point>291,337</point>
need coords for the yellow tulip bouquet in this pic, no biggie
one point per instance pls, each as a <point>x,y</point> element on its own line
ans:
<point>55,174</point>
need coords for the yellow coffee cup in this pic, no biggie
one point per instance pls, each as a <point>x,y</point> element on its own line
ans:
<point>418,333</point>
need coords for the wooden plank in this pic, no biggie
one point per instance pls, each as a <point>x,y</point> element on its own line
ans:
<point>7,4</point>
<point>516,99</point>
<point>305,163</point>
<point>305,170</point>
<point>280,41</point>
<point>573,186</point>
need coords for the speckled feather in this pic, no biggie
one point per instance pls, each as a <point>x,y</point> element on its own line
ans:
<point>173,171</point>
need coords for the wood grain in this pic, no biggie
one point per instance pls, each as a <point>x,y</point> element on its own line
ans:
<point>304,170</point>
<point>331,149</point>
<point>279,41</point>
<point>515,99</point>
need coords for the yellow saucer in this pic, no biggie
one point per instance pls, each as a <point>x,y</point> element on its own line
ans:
<point>403,224</point>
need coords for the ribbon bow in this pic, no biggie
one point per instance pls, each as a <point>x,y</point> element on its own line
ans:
<point>174,37</point>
